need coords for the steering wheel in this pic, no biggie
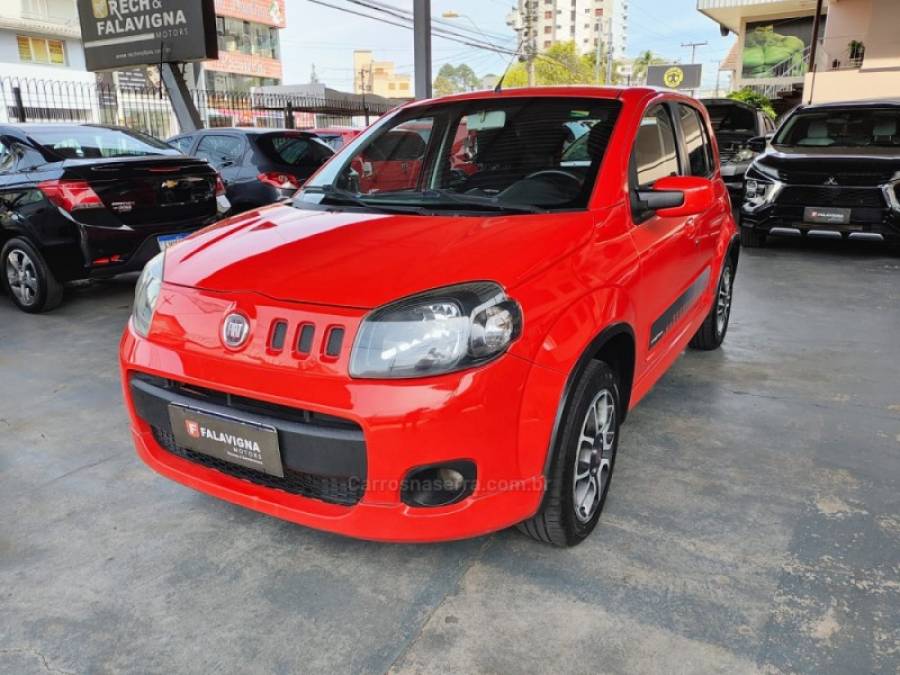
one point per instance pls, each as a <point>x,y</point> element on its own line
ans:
<point>555,173</point>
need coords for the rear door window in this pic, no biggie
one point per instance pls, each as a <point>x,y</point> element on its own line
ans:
<point>695,141</point>
<point>182,143</point>
<point>654,155</point>
<point>7,158</point>
<point>219,149</point>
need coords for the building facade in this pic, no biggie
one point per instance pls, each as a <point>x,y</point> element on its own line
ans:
<point>249,46</point>
<point>378,77</point>
<point>588,23</point>
<point>41,39</point>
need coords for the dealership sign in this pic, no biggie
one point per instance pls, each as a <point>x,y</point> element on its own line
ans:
<point>675,76</point>
<point>122,33</point>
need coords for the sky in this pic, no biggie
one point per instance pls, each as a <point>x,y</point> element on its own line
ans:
<point>327,37</point>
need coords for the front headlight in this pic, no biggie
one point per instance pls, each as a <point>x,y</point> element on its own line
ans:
<point>146,294</point>
<point>436,332</point>
<point>744,155</point>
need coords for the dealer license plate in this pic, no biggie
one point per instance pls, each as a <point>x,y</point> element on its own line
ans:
<point>254,446</point>
<point>826,216</point>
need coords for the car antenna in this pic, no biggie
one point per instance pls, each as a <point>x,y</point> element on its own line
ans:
<point>499,86</point>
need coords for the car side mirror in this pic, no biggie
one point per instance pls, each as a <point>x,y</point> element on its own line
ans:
<point>758,143</point>
<point>678,196</point>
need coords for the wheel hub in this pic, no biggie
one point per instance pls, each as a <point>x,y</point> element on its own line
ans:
<point>596,445</point>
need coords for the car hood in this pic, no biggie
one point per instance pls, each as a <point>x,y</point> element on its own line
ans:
<point>832,159</point>
<point>365,260</point>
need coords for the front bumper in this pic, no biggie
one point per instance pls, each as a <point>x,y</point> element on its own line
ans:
<point>868,220</point>
<point>471,415</point>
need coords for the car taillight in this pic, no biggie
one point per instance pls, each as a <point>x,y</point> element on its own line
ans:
<point>284,181</point>
<point>220,186</point>
<point>70,195</point>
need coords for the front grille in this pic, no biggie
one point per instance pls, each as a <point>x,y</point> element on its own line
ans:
<point>844,178</point>
<point>336,490</point>
<point>801,195</point>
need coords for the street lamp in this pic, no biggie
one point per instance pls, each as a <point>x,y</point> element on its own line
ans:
<point>450,14</point>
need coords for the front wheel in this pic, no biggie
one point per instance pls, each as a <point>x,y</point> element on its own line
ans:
<point>583,462</point>
<point>715,325</point>
<point>27,279</point>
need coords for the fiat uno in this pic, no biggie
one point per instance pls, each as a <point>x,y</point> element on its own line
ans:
<point>441,335</point>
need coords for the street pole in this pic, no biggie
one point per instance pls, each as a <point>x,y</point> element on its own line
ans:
<point>530,39</point>
<point>813,48</point>
<point>609,56</point>
<point>599,52</point>
<point>422,47</point>
<point>693,46</point>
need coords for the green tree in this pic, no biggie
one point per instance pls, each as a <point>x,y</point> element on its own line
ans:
<point>560,64</point>
<point>754,98</point>
<point>454,79</point>
<point>642,62</point>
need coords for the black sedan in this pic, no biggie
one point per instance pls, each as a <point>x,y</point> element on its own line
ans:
<point>258,166</point>
<point>86,201</point>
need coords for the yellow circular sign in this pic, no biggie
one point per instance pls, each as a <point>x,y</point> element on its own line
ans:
<point>673,77</point>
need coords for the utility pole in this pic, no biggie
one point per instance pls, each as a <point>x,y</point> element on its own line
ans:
<point>693,46</point>
<point>609,55</point>
<point>422,47</point>
<point>599,55</point>
<point>529,27</point>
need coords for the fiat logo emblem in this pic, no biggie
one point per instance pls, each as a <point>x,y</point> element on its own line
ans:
<point>235,330</point>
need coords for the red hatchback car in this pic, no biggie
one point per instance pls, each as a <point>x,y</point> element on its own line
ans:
<point>451,356</point>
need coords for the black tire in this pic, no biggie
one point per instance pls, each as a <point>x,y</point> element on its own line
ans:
<point>715,325</point>
<point>27,279</point>
<point>752,239</point>
<point>557,521</point>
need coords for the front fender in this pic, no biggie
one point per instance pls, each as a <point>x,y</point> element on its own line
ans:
<point>565,350</point>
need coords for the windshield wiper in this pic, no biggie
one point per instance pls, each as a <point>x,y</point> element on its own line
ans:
<point>478,201</point>
<point>336,195</point>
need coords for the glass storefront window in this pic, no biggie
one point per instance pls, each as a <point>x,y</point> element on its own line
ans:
<point>245,37</point>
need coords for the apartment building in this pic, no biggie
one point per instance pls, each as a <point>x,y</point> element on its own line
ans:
<point>587,23</point>
<point>378,77</point>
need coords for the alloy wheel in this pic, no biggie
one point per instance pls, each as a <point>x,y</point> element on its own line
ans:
<point>593,462</point>
<point>21,274</point>
<point>723,301</point>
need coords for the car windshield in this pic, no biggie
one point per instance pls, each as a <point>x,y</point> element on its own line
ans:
<point>93,142</point>
<point>731,118</point>
<point>514,155</point>
<point>842,127</point>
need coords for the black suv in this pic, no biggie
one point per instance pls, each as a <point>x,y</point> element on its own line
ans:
<point>834,167</point>
<point>258,166</point>
<point>84,201</point>
<point>735,123</point>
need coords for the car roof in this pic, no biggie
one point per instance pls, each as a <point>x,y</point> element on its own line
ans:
<point>726,101</point>
<point>860,105</point>
<point>572,91</point>
<point>253,131</point>
<point>27,128</point>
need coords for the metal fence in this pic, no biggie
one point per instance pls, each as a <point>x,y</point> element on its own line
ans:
<point>148,109</point>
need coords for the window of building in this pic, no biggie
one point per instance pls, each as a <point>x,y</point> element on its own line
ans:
<point>548,29</point>
<point>246,37</point>
<point>547,43</point>
<point>41,50</point>
<point>548,14</point>
<point>598,11</point>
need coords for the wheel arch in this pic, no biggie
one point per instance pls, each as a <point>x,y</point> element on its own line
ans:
<point>616,346</point>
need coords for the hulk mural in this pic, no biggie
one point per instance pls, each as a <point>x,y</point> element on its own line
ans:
<point>770,43</point>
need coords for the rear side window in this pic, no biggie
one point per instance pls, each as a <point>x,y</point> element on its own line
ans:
<point>86,142</point>
<point>293,150</point>
<point>695,141</point>
<point>182,143</point>
<point>654,155</point>
<point>7,158</point>
<point>217,148</point>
